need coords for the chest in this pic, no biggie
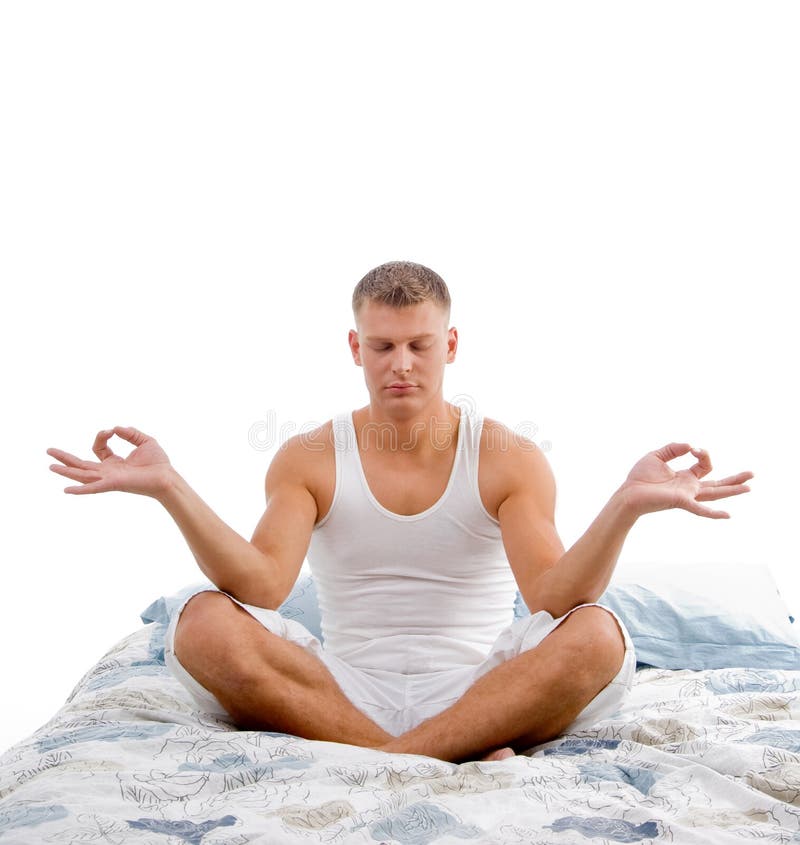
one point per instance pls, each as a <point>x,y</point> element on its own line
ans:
<point>404,486</point>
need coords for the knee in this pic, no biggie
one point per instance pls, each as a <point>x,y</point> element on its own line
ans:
<point>598,640</point>
<point>202,624</point>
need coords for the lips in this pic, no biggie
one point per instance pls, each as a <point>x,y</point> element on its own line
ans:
<point>402,384</point>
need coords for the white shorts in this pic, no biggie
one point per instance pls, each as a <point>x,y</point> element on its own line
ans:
<point>397,702</point>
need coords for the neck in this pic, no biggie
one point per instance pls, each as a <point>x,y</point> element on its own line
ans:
<point>432,430</point>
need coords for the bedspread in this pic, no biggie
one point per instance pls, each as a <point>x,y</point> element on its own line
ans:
<point>698,757</point>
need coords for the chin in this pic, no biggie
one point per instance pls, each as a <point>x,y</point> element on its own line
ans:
<point>400,402</point>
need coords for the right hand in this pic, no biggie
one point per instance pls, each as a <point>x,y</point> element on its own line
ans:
<point>145,471</point>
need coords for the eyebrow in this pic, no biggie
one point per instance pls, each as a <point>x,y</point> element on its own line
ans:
<point>390,340</point>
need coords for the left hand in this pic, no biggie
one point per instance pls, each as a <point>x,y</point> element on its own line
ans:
<point>653,486</point>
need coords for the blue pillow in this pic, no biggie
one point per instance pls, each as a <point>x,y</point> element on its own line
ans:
<point>301,605</point>
<point>670,628</point>
<point>162,608</point>
<point>682,630</point>
<point>677,629</point>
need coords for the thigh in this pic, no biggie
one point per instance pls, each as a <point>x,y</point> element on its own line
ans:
<point>213,621</point>
<point>529,632</point>
<point>380,695</point>
<point>216,615</point>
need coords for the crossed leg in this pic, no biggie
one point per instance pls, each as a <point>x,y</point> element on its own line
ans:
<point>268,683</point>
<point>528,699</point>
<point>265,682</point>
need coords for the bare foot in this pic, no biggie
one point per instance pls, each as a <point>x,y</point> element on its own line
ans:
<point>500,754</point>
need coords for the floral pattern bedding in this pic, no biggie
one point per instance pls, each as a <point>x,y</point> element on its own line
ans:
<point>696,757</point>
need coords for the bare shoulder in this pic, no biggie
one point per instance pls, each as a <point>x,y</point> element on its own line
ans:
<point>511,463</point>
<point>506,449</point>
<point>306,460</point>
<point>301,456</point>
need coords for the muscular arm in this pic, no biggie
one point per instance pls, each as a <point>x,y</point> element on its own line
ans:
<point>262,571</point>
<point>526,516</point>
<point>259,572</point>
<point>581,574</point>
<point>557,582</point>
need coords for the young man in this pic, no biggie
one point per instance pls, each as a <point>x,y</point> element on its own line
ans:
<point>420,520</point>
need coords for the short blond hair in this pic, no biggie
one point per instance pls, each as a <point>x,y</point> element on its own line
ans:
<point>400,284</point>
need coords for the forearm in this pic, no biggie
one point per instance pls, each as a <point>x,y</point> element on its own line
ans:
<point>583,573</point>
<point>228,560</point>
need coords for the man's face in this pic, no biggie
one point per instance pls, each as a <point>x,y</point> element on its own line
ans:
<point>403,352</point>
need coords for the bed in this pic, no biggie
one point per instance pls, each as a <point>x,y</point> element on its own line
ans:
<point>705,750</point>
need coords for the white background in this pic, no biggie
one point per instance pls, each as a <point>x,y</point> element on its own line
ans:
<point>190,192</point>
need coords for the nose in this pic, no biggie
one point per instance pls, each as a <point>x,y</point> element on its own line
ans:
<point>401,362</point>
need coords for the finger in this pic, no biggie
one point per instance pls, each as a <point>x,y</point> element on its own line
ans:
<point>693,507</point>
<point>672,450</point>
<point>95,487</point>
<point>739,478</point>
<point>703,465</point>
<point>132,435</point>
<point>84,475</point>
<point>709,494</point>
<point>100,446</point>
<point>70,460</point>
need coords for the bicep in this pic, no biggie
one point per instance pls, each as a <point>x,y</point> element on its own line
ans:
<point>527,522</point>
<point>284,531</point>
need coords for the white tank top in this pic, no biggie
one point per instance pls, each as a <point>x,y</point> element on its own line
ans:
<point>410,594</point>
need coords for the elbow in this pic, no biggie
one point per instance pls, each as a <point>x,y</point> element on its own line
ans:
<point>559,605</point>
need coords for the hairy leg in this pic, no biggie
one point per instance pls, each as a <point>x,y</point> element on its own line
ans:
<point>527,700</point>
<point>263,681</point>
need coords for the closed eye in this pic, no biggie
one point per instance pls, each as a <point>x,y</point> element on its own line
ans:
<point>416,347</point>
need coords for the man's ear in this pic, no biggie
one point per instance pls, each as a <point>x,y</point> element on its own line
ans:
<point>355,346</point>
<point>452,344</point>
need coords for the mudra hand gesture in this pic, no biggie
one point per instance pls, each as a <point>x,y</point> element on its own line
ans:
<point>144,471</point>
<point>653,486</point>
